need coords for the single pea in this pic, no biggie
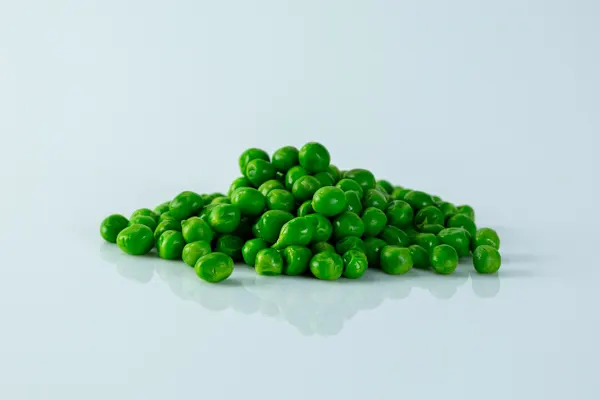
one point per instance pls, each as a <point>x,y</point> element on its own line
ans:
<point>395,236</point>
<point>348,224</point>
<point>374,221</point>
<point>319,247</point>
<point>429,215</point>
<point>249,200</point>
<point>363,177</point>
<point>305,209</point>
<point>314,157</point>
<point>193,251</point>
<point>386,185</point>
<point>457,238</point>
<point>373,248</point>
<point>353,201</point>
<point>296,260</point>
<point>486,259</point>
<point>487,237</point>
<point>418,200</point>
<point>349,184</point>
<point>285,158</point>
<point>269,185</point>
<point>399,193</point>
<point>281,199</point>
<point>329,201</point>
<point>136,239</point>
<point>399,214</point>
<point>462,221</point>
<point>396,260</point>
<point>259,171</point>
<point>145,211</point>
<point>325,179</point>
<point>466,210</point>
<point>251,249</point>
<point>208,198</point>
<point>230,245</point>
<point>444,259</point>
<point>240,182</point>
<point>335,172</point>
<point>448,209</point>
<point>305,187</point>
<point>214,267</point>
<point>168,225</point>
<point>374,198</point>
<point>224,218</point>
<point>383,192</point>
<point>205,213</point>
<point>244,229</point>
<point>143,220</point>
<point>322,228</point>
<point>431,228</point>
<point>327,266</point>
<point>427,241</point>
<point>297,232</point>
<point>436,199</point>
<point>162,208</point>
<point>166,216</point>
<point>269,262</point>
<point>293,175</point>
<point>185,204</point>
<point>270,223</point>
<point>355,264</point>
<point>249,155</point>
<point>350,243</point>
<point>111,226</point>
<point>221,200</point>
<point>419,256</point>
<point>170,245</point>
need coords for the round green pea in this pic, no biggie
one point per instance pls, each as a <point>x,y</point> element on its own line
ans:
<point>145,211</point>
<point>363,177</point>
<point>355,264</point>
<point>314,157</point>
<point>444,259</point>
<point>350,243</point>
<point>193,251</point>
<point>162,208</point>
<point>214,267</point>
<point>466,210</point>
<point>419,256</point>
<point>224,218</point>
<point>486,259</point>
<point>448,209</point>
<point>436,199</point>
<point>462,221</point>
<point>335,172</point>
<point>325,179</point>
<point>281,199</point>
<point>373,247</point>
<point>259,171</point>
<point>293,175</point>
<point>431,228</point>
<point>185,204</point>
<point>305,187</point>
<point>327,266</point>
<point>329,201</point>
<point>427,241</point>
<point>353,201</point>
<point>221,200</point>
<point>205,213</point>
<point>399,214</point>
<point>457,238</point>
<point>395,236</point>
<point>429,215</point>
<point>305,209</point>
<point>269,262</point>
<point>230,245</point>
<point>195,229</point>
<point>270,223</point>
<point>396,260</point>
<point>386,185</point>
<point>418,200</point>
<point>166,216</point>
<point>251,249</point>
<point>298,231</point>
<point>349,184</point>
<point>143,220</point>
<point>136,239</point>
<point>285,158</point>
<point>319,247</point>
<point>168,225</point>
<point>399,193</point>
<point>240,182</point>
<point>170,245</point>
<point>208,198</point>
<point>374,221</point>
<point>322,228</point>
<point>111,226</point>
<point>348,224</point>
<point>487,237</point>
<point>269,185</point>
<point>374,198</point>
<point>249,155</point>
<point>296,260</point>
<point>249,200</point>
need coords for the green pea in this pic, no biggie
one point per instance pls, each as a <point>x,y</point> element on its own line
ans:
<point>240,182</point>
<point>143,220</point>
<point>374,198</point>
<point>249,200</point>
<point>251,249</point>
<point>436,199</point>
<point>486,259</point>
<point>374,221</point>
<point>208,198</point>
<point>185,204</point>
<point>111,226</point>
<point>444,259</point>
<point>325,179</point>
<point>396,260</point>
<point>399,193</point>
<point>427,241</point>
<point>327,266</point>
<point>204,215</point>
<point>221,200</point>
<point>431,228</point>
<point>353,201</point>
<point>348,224</point>
<point>162,208</point>
<point>350,243</point>
<point>373,247</point>
<point>230,245</point>
<point>269,262</point>
<point>249,155</point>
<point>305,209</point>
<point>418,200</point>
<point>305,187</point>
<point>383,192</point>
<point>448,209</point>
<point>145,211</point>
<point>193,251</point>
<point>170,245</point>
<point>296,260</point>
<point>270,223</point>
<point>487,237</point>
<point>314,157</point>
<point>259,171</point>
<point>285,158</point>
<point>462,221</point>
<point>319,247</point>
<point>322,228</point>
<point>281,199</point>
<point>136,239</point>
<point>349,184</point>
<point>293,175</point>
<point>329,201</point>
<point>355,264</point>
<point>399,214</point>
<point>466,210</point>
<point>429,215</point>
<point>395,236</point>
<point>269,185</point>
<point>166,216</point>
<point>419,256</point>
<point>363,177</point>
<point>168,225</point>
<point>335,172</point>
<point>457,238</point>
<point>214,267</point>
<point>224,218</point>
<point>297,232</point>
<point>386,185</point>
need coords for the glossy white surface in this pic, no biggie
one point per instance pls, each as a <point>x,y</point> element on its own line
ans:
<point>111,106</point>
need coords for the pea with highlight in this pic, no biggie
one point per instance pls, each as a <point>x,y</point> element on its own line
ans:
<point>314,157</point>
<point>285,158</point>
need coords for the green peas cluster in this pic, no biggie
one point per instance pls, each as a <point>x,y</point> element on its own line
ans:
<point>295,213</point>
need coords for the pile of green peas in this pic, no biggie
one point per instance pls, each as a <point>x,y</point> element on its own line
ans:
<point>295,213</point>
